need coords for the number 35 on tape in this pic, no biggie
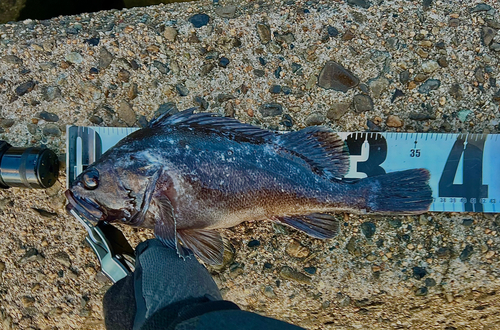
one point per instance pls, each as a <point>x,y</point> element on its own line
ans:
<point>465,168</point>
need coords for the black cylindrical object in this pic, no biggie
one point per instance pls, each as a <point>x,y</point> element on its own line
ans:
<point>35,168</point>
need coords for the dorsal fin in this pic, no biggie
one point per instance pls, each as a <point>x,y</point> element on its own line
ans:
<point>321,148</point>
<point>215,123</point>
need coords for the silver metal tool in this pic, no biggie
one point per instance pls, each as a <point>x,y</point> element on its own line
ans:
<point>115,254</point>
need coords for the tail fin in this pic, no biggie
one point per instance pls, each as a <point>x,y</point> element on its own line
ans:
<point>404,192</point>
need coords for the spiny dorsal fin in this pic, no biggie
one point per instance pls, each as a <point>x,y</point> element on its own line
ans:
<point>321,148</point>
<point>215,123</point>
<point>206,244</point>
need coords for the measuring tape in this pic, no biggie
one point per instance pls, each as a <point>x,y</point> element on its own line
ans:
<point>465,168</point>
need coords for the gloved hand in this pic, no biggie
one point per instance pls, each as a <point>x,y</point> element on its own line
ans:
<point>167,292</point>
<point>161,278</point>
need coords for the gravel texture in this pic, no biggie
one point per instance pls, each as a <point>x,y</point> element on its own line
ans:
<point>356,65</point>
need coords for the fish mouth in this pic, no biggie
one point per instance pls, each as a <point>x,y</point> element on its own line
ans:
<point>85,206</point>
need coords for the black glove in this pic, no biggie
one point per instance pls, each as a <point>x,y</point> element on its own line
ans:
<point>166,291</point>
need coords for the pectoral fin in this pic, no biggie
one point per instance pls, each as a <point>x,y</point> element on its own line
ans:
<point>206,244</point>
<point>318,225</point>
<point>166,227</point>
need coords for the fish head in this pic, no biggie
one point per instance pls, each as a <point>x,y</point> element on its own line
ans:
<point>108,190</point>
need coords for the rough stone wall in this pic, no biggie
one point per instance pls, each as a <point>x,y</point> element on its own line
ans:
<point>409,66</point>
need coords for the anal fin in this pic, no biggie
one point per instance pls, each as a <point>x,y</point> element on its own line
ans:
<point>206,244</point>
<point>318,225</point>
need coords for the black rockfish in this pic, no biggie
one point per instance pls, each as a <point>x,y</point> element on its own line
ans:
<point>190,173</point>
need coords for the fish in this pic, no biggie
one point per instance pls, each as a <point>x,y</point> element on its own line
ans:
<point>188,174</point>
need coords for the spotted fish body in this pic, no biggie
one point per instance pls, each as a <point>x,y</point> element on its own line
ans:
<point>187,174</point>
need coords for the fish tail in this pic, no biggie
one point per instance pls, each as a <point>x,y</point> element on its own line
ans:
<point>403,192</point>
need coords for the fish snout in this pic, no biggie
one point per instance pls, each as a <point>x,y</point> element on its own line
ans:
<point>85,206</point>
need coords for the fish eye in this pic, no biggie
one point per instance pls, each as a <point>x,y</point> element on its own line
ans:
<point>91,179</point>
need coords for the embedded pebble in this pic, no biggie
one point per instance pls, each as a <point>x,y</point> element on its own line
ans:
<point>51,130</point>
<point>297,250</point>
<point>223,62</point>
<point>199,20</point>
<point>28,301</point>
<point>253,243</point>
<point>378,86</point>
<point>443,62</point>
<point>12,59</point>
<point>368,229</point>
<point>359,3</point>
<point>162,67</point>
<point>495,46</point>
<point>31,255</point>
<point>92,41</point>
<point>182,90</point>
<point>404,77</point>
<point>170,33</point>
<point>397,93</point>
<point>332,31</point>
<point>48,116</point>
<point>221,98</point>
<point>463,114</point>
<point>7,122</point>
<point>126,113</point>
<point>275,89</point>
<point>228,11</point>
<point>419,272</point>
<point>271,109</point>
<point>50,93</point>
<point>315,118</point>
<point>288,273</point>
<point>264,33</point>
<point>466,253</point>
<point>362,103</point>
<point>394,121</point>
<point>456,91</point>
<point>310,270</point>
<point>74,57</point>
<point>105,58</point>
<point>337,110</point>
<point>287,38</point>
<point>430,282</point>
<point>286,120</point>
<point>420,292</point>
<point>487,35</point>
<point>429,85</point>
<point>480,7</point>
<point>25,88</point>
<point>63,258</point>
<point>430,66</point>
<point>335,76</point>
<point>123,75</point>
<point>269,292</point>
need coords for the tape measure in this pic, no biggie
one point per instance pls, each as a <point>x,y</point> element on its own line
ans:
<point>465,168</point>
